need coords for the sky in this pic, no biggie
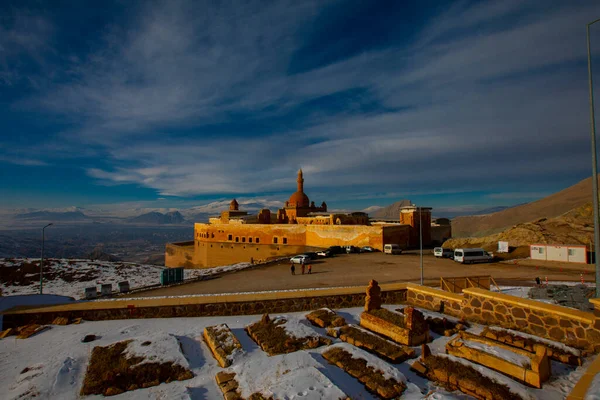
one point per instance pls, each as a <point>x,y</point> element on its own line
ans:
<point>454,105</point>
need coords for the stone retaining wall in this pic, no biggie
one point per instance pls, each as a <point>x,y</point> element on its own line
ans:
<point>434,300</point>
<point>572,327</point>
<point>259,303</point>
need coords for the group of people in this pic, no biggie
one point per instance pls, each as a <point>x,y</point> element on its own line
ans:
<point>303,268</point>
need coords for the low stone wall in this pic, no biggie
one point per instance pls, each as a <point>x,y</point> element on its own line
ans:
<point>434,299</point>
<point>199,306</point>
<point>572,327</point>
<point>583,386</point>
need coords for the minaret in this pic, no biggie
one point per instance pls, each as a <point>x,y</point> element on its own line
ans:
<point>300,181</point>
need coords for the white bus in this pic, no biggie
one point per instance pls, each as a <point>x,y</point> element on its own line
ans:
<point>469,256</point>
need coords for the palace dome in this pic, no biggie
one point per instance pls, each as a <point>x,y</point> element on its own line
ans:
<point>299,199</point>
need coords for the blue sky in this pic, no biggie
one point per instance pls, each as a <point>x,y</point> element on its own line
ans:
<point>178,103</point>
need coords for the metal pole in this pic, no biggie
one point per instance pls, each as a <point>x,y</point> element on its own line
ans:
<point>42,259</point>
<point>421,243</point>
<point>594,163</point>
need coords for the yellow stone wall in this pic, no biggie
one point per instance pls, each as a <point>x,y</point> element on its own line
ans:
<point>180,255</point>
<point>223,244</point>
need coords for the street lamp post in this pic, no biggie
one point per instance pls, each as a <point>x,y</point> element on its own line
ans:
<point>42,258</point>
<point>594,163</point>
<point>421,243</point>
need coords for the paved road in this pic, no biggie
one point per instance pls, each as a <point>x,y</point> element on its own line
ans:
<point>358,269</point>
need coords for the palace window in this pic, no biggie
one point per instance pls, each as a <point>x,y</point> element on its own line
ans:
<point>243,239</point>
<point>284,240</point>
<point>237,238</point>
<point>274,240</point>
<point>229,237</point>
<point>257,240</point>
<point>250,239</point>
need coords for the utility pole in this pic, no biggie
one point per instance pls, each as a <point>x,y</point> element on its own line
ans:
<point>594,163</point>
<point>42,259</point>
<point>421,242</point>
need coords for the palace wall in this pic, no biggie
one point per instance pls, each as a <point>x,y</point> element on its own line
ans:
<point>180,254</point>
<point>223,244</point>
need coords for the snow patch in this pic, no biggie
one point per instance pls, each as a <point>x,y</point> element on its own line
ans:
<point>505,354</point>
<point>156,348</point>
<point>559,345</point>
<point>286,376</point>
<point>295,327</point>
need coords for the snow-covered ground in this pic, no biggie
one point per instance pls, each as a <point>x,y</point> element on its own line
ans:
<point>70,277</point>
<point>57,361</point>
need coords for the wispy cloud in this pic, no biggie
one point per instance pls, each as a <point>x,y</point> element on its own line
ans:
<point>485,93</point>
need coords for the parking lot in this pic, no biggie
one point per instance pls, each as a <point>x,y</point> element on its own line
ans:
<point>358,269</point>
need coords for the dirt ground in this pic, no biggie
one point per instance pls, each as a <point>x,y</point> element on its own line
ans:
<point>359,269</point>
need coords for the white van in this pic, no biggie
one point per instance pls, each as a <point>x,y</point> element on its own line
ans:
<point>392,249</point>
<point>443,253</point>
<point>469,256</point>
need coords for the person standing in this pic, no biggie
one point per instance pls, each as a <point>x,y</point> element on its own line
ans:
<point>309,268</point>
<point>302,267</point>
<point>293,269</point>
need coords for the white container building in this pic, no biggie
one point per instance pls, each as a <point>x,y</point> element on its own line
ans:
<point>565,253</point>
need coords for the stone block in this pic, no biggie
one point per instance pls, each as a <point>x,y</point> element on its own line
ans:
<point>534,374</point>
<point>224,377</point>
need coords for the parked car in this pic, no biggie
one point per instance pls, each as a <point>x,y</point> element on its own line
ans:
<point>324,253</point>
<point>336,250</point>
<point>392,249</point>
<point>311,255</point>
<point>299,259</point>
<point>470,256</point>
<point>367,249</point>
<point>443,252</point>
<point>352,249</point>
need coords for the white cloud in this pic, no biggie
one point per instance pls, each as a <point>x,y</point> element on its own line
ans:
<point>473,101</point>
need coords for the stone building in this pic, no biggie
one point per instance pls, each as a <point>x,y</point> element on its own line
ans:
<point>237,236</point>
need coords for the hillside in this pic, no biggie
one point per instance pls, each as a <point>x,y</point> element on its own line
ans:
<point>70,277</point>
<point>390,212</point>
<point>548,207</point>
<point>573,227</point>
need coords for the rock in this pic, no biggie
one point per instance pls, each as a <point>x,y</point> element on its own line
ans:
<point>113,391</point>
<point>88,338</point>
<point>265,319</point>
<point>224,377</point>
<point>373,299</point>
<point>425,351</point>
<point>419,368</point>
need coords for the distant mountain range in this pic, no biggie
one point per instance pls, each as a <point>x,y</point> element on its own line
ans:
<point>55,216</point>
<point>156,218</point>
<point>141,216</point>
